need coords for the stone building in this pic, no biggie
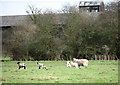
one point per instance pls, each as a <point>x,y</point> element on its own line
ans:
<point>91,6</point>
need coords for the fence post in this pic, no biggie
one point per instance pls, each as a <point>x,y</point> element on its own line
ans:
<point>95,57</point>
<point>108,57</point>
<point>104,57</point>
<point>99,57</point>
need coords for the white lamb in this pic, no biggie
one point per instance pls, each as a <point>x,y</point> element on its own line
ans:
<point>74,64</point>
<point>68,64</point>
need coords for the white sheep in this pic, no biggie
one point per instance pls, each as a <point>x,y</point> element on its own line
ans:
<point>68,64</point>
<point>41,65</point>
<point>21,65</point>
<point>81,62</point>
<point>74,64</point>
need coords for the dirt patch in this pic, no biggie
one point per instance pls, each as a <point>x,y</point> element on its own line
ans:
<point>50,74</point>
<point>16,71</point>
<point>84,79</point>
<point>31,79</point>
<point>114,69</point>
<point>77,74</point>
<point>103,73</point>
<point>5,71</point>
<point>48,77</point>
<point>33,70</point>
<point>40,79</point>
<point>1,79</point>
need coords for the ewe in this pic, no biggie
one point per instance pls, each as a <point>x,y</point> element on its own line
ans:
<point>68,64</point>
<point>74,64</point>
<point>81,62</point>
<point>21,65</point>
<point>41,65</point>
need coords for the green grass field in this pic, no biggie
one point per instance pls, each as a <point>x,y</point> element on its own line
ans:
<point>97,72</point>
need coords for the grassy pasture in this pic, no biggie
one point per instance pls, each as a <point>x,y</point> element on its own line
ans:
<point>98,71</point>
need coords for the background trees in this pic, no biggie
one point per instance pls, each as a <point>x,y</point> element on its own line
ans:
<point>50,36</point>
<point>22,37</point>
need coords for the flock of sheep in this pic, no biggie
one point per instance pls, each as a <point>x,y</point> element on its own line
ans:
<point>77,63</point>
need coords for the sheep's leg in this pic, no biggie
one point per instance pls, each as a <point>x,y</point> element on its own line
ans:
<point>85,64</point>
<point>77,66</point>
<point>46,68</point>
<point>24,67</point>
<point>19,67</point>
<point>39,67</point>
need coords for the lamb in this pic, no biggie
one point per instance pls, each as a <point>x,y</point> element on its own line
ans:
<point>81,62</point>
<point>68,64</point>
<point>74,64</point>
<point>21,65</point>
<point>41,65</point>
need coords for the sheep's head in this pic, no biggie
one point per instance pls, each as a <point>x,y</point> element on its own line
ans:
<point>37,62</point>
<point>18,62</point>
<point>71,62</point>
<point>68,61</point>
<point>74,59</point>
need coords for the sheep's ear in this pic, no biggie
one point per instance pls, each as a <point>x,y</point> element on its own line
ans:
<point>18,62</point>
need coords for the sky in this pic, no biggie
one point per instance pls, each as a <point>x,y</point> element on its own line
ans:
<point>19,7</point>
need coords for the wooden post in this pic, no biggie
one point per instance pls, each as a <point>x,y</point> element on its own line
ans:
<point>95,57</point>
<point>108,57</point>
<point>104,57</point>
<point>99,57</point>
<point>111,57</point>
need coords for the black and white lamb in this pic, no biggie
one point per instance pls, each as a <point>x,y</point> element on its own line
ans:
<point>21,65</point>
<point>41,65</point>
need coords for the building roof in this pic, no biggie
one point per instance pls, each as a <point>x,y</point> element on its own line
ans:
<point>11,20</point>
